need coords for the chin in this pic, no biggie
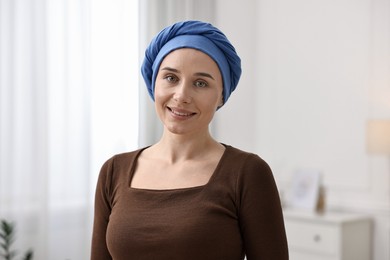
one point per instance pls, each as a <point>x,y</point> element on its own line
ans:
<point>177,130</point>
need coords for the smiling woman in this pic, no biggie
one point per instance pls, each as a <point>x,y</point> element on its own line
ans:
<point>188,196</point>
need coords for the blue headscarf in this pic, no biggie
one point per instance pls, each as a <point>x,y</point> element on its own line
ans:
<point>197,35</point>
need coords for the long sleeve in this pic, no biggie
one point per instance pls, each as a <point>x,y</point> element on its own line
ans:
<point>260,213</point>
<point>102,213</point>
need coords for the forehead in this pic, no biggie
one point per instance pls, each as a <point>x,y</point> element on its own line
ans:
<point>191,56</point>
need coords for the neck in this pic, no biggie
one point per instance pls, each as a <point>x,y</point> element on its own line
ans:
<point>176,148</point>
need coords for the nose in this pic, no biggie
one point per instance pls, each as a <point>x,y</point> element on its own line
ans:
<point>183,93</point>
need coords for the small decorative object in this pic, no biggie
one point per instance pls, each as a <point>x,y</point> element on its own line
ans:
<point>321,203</point>
<point>7,237</point>
<point>305,190</point>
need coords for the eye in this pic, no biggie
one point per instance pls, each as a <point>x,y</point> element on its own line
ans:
<point>200,84</point>
<point>171,78</point>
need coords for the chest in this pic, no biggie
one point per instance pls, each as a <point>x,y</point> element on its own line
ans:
<point>181,224</point>
<point>160,175</point>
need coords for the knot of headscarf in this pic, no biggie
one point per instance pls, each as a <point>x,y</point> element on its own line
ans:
<point>197,35</point>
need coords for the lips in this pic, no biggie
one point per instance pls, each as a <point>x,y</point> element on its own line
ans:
<point>181,112</point>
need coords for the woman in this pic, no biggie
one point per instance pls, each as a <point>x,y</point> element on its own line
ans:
<point>188,196</point>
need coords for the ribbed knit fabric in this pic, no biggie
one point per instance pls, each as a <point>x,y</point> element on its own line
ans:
<point>236,213</point>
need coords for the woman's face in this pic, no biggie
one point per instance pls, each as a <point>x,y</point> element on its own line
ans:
<point>188,91</point>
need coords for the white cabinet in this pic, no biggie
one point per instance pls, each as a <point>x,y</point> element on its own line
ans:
<point>330,236</point>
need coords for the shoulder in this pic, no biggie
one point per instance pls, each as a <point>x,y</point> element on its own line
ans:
<point>122,159</point>
<point>244,159</point>
<point>248,168</point>
<point>122,162</point>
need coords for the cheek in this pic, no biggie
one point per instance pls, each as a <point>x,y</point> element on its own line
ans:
<point>159,92</point>
<point>213,101</point>
<point>158,103</point>
<point>161,98</point>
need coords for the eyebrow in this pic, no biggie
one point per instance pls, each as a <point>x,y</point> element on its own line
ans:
<point>202,74</point>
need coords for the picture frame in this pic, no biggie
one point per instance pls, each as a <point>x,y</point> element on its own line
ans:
<point>305,189</point>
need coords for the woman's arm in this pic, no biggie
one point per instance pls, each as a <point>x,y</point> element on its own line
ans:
<point>260,212</point>
<point>102,213</point>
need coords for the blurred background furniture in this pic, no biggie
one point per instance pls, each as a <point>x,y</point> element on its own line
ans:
<point>328,236</point>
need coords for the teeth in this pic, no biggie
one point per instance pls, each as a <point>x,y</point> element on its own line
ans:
<point>180,114</point>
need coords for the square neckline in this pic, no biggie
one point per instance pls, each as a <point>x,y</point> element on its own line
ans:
<point>179,189</point>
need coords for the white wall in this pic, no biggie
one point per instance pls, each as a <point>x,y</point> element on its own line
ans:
<point>314,72</point>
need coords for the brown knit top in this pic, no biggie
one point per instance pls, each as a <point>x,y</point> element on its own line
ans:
<point>236,214</point>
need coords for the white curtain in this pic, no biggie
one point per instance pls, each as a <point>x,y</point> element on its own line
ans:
<point>68,101</point>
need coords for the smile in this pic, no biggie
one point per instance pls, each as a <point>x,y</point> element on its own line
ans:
<point>180,113</point>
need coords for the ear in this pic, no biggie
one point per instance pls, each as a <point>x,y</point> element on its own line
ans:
<point>220,104</point>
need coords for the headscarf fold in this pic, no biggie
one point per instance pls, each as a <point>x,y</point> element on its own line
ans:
<point>197,35</point>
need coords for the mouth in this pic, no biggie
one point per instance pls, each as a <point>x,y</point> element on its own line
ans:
<point>181,113</point>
